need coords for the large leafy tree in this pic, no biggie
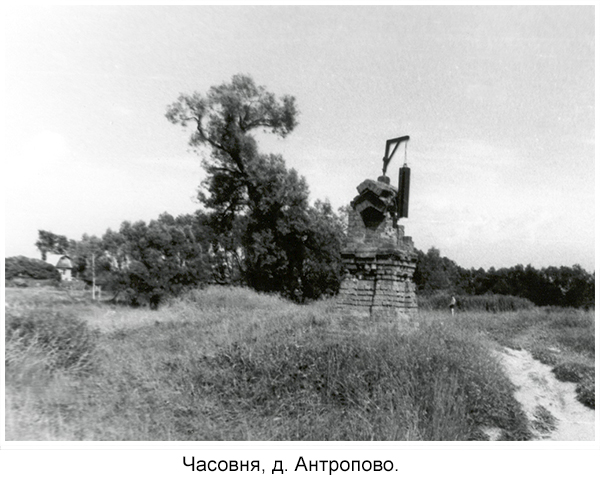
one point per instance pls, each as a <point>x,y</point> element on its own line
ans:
<point>254,193</point>
<point>224,121</point>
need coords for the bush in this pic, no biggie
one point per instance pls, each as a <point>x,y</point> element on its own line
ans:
<point>162,259</point>
<point>572,371</point>
<point>66,338</point>
<point>22,267</point>
<point>586,392</point>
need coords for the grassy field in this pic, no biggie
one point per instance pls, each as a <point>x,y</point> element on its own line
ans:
<point>563,338</point>
<point>230,364</point>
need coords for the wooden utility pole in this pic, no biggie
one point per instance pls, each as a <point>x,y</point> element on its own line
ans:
<point>93,276</point>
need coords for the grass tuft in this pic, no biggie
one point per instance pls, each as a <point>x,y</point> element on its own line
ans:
<point>544,421</point>
<point>572,371</point>
<point>586,392</point>
<point>66,339</point>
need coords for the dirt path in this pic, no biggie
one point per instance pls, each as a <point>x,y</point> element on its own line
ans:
<point>551,405</point>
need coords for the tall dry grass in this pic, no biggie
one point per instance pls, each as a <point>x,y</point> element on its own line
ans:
<point>231,364</point>
<point>481,303</point>
<point>563,338</point>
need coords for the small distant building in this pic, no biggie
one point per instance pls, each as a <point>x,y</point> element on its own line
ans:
<point>63,264</point>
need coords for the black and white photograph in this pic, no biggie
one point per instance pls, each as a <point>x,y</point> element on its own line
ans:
<point>299,224</point>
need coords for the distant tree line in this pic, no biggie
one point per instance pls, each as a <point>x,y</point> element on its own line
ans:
<point>563,286</point>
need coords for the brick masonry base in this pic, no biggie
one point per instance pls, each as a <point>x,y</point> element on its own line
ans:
<point>380,286</point>
<point>379,261</point>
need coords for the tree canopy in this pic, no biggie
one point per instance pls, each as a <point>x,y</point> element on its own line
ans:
<point>257,193</point>
<point>224,120</point>
<point>144,263</point>
<point>48,242</point>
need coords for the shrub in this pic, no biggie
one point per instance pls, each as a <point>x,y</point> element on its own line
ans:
<point>545,355</point>
<point>66,338</point>
<point>22,267</point>
<point>572,371</point>
<point>163,259</point>
<point>586,392</point>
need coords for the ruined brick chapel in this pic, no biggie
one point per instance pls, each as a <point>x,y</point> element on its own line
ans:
<point>379,260</point>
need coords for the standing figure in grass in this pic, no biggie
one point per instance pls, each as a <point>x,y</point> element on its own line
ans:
<point>452,304</point>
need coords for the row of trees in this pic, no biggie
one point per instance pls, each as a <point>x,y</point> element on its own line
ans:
<point>143,263</point>
<point>563,286</point>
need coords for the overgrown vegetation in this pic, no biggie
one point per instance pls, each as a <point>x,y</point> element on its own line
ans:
<point>28,268</point>
<point>562,338</point>
<point>65,339</point>
<point>387,386</point>
<point>230,364</point>
<point>544,421</point>
<point>486,303</point>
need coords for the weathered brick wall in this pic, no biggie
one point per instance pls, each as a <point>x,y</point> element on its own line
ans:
<point>379,261</point>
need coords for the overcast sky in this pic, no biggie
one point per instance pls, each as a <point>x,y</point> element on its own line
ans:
<point>498,102</point>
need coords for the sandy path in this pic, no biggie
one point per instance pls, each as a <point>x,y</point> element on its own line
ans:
<point>537,387</point>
